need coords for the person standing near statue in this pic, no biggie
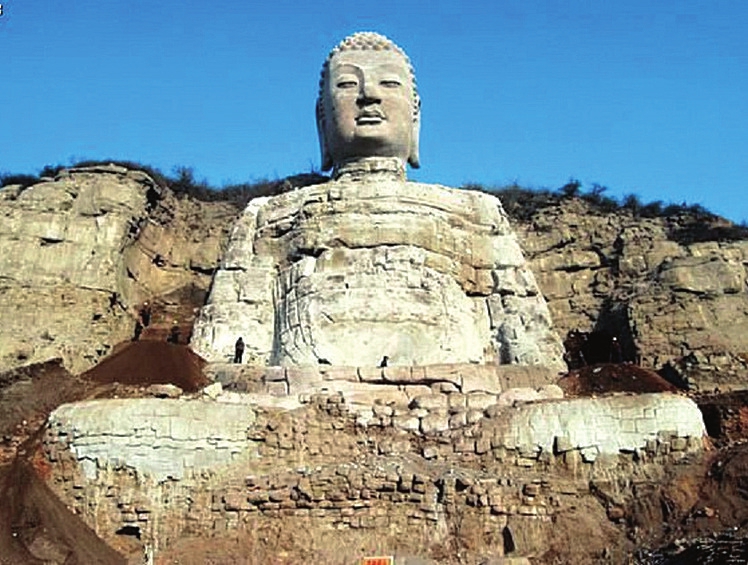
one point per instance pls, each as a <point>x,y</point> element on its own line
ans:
<point>173,336</point>
<point>142,321</point>
<point>145,314</point>
<point>615,351</point>
<point>238,350</point>
<point>138,330</point>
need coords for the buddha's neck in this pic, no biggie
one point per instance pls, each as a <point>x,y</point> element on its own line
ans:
<point>391,168</point>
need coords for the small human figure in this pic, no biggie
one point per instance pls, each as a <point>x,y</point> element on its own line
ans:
<point>173,336</point>
<point>575,344</point>
<point>138,330</point>
<point>615,350</point>
<point>238,350</point>
<point>384,361</point>
<point>145,314</point>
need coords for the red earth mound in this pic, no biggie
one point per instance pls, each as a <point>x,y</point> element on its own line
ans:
<point>612,377</point>
<point>36,527</point>
<point>143,363</point>
<point>725,415</point>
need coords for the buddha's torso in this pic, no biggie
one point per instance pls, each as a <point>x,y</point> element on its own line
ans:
<point>370,265</point>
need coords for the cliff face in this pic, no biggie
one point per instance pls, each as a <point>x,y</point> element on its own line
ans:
<point>79,252</point>
<point>685,304</point>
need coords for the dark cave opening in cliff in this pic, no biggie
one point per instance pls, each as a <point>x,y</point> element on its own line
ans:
<point>129,530</point>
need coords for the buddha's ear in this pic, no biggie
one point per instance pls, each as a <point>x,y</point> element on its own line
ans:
<point>324,150</point>
<point>414,159</point>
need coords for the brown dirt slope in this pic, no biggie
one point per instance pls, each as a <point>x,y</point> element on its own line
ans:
<point>611,377</point>
<point>145,363</point>
<point>29,393</point>
<point>37,528</point>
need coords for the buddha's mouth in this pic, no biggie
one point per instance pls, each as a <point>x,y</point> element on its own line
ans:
<point>372,117</point>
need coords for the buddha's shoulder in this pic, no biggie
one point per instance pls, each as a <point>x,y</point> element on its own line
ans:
<point>336,189</point>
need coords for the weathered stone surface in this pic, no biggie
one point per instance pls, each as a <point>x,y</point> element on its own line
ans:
<point>431,402</point>
<point>480,400</point>
<point>164,391</point>
<point>710,275</point>
<point>78,254</point>
<point>434,424</point>
<point>373,268</point>
<point>362,270</point>
<point>600,425</point>
<point>518,395</point>
<point>431,386</point>
<point>368,105</point>
<point>111,461</point>
<point>156,438</point>
<point>683,303</point>
<point>368,269</point>
<point>213,391</point>
<point>364,394</point>
<point>551,392</point>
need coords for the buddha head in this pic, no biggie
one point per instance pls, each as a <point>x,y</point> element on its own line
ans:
<point>368,105</point>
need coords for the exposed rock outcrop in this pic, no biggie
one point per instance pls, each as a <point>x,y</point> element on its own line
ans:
<point>136,463</point>
<point>481,444</point>
<point>80,251</point>
<point>667,301</point>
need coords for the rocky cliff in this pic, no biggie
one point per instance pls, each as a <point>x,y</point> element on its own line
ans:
<point>80,251</point>
<point>471,460</point>
<point>667,300</point>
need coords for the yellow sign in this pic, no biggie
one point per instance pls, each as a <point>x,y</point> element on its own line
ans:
<point>378,561</point>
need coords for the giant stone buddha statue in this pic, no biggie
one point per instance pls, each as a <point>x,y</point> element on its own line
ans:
<point>370,265</point>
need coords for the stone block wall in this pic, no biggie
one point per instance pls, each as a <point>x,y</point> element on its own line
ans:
<point>162,439</point>
<point>321,464</point>
<point>364,386</point>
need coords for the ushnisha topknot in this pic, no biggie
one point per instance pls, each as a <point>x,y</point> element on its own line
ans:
<point>364,41</point>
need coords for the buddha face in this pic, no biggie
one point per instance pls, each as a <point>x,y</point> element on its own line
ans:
<point>367,104</point>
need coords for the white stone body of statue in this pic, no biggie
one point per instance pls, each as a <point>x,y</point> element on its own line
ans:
<point>369,267</point>
<point>351,271</point>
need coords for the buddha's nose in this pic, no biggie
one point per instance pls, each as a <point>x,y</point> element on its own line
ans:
<point>369,91</point>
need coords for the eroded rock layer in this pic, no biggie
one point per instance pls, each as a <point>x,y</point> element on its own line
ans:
<point>77,252</point>
<point>136,466</point>
<point>80,251</point>
<point>668,299</point>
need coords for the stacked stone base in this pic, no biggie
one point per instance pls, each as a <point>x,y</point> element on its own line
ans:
<point>510,475</point>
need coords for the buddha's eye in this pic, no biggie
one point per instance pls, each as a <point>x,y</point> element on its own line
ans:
<point>390,83</point>
<point>347,83</point>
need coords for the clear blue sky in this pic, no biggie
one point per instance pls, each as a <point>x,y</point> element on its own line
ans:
<point>643,96</point>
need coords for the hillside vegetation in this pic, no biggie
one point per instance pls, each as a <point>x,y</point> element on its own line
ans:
<point>687,223</point>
